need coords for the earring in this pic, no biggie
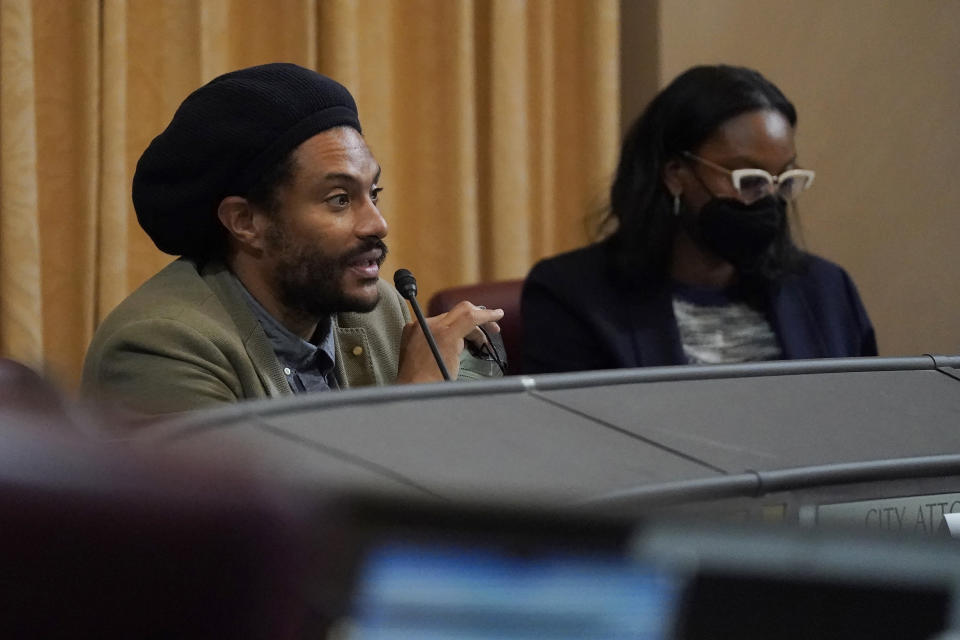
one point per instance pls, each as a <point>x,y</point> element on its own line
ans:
<point>676,204</point>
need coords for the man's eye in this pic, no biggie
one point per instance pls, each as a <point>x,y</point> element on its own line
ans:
<point>339,200</point>
<point>375,194</point>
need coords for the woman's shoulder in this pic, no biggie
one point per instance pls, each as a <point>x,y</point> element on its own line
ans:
<point>584,261</point>
<point>582,277</point>
<point>818,269</point>
<point>823,279</point>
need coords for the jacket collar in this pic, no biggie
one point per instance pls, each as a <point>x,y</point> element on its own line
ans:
<point>255,341</point>
<point>354,361</point>
<point>656,339</point>
<point>793,321</point>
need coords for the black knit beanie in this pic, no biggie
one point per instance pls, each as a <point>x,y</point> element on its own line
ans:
<point>221,140</point>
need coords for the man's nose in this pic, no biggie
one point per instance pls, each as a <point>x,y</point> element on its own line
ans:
<point>370,222</point>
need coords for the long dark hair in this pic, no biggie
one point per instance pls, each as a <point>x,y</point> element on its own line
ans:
<point>680,118</point>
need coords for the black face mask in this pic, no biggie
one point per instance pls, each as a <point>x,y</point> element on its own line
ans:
<point>737,232</point>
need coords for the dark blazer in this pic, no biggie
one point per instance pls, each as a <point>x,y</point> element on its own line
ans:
<point>578,316</point>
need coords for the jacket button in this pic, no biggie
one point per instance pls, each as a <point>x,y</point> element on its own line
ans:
<point>357,350</point>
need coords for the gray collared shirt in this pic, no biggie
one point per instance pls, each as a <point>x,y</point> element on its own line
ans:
<point>308,366</point>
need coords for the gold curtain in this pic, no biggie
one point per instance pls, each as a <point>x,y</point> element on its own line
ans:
<point>495,122</point>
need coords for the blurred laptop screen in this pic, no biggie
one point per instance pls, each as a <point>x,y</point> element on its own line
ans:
<point>427,592</point>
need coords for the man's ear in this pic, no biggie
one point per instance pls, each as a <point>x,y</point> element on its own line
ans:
<point>672,176</point>
<point>243,222</point>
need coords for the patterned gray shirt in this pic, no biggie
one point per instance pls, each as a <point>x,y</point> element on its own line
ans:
<point>716,327</point>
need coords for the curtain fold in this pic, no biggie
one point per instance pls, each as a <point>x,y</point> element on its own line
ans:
<point>114,180</point>
<point>67,79</point>
<point>495,123</point>
<point>512,107</point>
<point>21,303</point>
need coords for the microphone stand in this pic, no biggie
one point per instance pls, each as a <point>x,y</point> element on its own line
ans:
<point>407,286</point>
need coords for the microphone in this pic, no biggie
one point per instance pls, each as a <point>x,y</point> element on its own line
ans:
<point>407,286</point>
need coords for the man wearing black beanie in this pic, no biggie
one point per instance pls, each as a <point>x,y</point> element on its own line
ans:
<point>263,184</point>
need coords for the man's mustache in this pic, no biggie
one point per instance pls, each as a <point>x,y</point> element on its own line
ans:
<point>368,245</point>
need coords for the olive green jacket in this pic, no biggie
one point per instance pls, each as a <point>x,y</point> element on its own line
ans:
<point>187,339</point>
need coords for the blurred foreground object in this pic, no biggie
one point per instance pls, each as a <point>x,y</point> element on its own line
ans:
<point>23,391</point>
<point>103,542</point>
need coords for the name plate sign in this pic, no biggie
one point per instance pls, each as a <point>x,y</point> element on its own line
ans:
<point>911,514</point>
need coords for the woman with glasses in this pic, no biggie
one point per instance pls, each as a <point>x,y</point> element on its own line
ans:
<point>699,266</point>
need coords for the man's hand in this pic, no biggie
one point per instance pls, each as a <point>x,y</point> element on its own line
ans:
<point>449,329</point>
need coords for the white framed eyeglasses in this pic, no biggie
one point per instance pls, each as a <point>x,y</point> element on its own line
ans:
<point>753,184</point>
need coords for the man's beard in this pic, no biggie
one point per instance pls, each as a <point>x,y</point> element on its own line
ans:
<point>310,281</point>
